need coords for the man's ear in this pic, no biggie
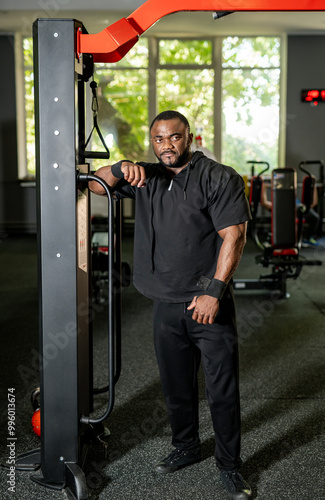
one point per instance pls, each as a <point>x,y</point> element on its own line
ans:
<point>190,138</point>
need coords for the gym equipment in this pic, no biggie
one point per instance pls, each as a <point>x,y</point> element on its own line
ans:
<point>36,418</point>
<point>94,106</point>
<point>309,184</point>
<point>99,264</point>
<point>282,252</point>
<point>63,64</point>
<point>111,44</point>
<point>64,265</point>
<point>284,189</point>
<point>255,191</point>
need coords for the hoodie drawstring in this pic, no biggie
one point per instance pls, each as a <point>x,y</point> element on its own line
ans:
<point>187,176</point>
<point>151,227</point>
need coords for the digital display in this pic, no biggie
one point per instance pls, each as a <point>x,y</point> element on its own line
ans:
<point>313,95</point>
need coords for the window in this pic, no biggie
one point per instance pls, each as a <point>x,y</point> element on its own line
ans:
<point>182,75</point>
<point>29,106</point>
<point>250,100</point>
<point>185,81</point>
<point>123,105</point>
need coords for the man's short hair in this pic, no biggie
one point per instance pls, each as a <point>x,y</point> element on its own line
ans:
<point>171,115</point>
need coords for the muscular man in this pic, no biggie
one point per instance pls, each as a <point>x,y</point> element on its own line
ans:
<point>190,231</point>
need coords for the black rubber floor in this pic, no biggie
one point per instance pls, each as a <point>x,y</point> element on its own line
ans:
<point>282,359</point>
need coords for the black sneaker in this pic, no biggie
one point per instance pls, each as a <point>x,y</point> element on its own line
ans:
<point>178,459</point>
<point>238,488</point>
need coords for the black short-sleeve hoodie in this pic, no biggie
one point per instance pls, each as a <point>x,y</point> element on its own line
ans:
<point>176,225</point>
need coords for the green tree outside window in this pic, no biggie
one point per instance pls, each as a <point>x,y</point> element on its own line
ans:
<point>250,101</point>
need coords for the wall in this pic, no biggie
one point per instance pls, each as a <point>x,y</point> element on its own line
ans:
<point>305,124</point>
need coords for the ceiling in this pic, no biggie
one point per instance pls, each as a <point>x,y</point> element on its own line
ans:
<point>183,23</point>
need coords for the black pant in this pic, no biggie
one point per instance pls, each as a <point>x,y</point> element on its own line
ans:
<point>180,344</point>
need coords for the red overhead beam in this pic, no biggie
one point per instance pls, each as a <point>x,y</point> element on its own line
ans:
<point>111,44</point>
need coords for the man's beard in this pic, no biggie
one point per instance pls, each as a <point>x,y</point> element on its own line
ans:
<point>181,160</point>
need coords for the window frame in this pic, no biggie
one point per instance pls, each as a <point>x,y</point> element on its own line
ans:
<point>21,107</point>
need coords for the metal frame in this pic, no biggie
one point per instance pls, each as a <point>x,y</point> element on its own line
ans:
<point>63,212</point>
<point>65,368</point>
<point>111,44</point>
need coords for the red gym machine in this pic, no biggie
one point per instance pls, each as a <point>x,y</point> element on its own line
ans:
<point>63,65</point>
<point>281,252</point>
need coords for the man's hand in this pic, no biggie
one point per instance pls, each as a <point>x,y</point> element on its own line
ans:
<point>134,174</point>
<point>205,309</point>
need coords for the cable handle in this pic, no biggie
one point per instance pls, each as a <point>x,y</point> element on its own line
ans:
<point>111,358</point>
<point>95,107</point>
<point>94,88</point>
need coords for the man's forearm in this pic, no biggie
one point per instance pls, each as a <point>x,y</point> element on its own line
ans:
<point>234,239</point>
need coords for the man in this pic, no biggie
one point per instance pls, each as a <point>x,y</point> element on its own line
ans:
<point>190,231</point>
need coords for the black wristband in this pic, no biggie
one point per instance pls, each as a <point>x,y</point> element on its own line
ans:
<point>214,288</point>
<point>116,169</point>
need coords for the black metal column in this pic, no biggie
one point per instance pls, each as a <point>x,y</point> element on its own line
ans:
<point>63,255</point>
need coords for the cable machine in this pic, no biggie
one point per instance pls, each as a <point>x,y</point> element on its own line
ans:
<point>63,64</point>
<point>66,390</point>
